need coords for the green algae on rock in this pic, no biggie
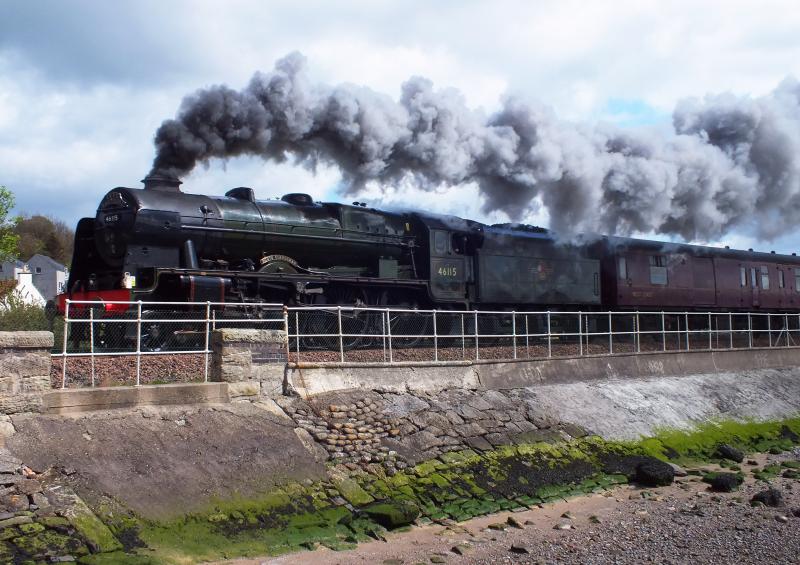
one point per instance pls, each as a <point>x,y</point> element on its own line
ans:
<point>355,506</point>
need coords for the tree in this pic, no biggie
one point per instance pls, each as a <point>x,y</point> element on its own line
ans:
<point>8,237</point>
<point>48,236</point>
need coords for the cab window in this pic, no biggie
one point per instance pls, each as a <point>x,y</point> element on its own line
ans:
<point>440,242</point>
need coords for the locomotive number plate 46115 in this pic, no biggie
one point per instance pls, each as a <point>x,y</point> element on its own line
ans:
<point>111,218</point>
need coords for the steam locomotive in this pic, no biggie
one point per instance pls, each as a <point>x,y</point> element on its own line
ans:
<point>161,244</point>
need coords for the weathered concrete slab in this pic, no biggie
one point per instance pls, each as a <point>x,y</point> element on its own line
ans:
<point>631,408</point>
<point>319,379</point>
<point>518,374</point>
<point>162,461</point>
<point>312,379</point>
<point>67,401</point>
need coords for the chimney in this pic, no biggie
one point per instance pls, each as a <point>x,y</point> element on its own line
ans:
<point>162,182</point>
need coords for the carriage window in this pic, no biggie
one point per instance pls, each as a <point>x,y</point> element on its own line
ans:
<point>623,268</point>
<point>440,242</point>
<point>797,280</point>
<point>753,279</point>
<point>742,276</point>
<point>658,269</point>
<point>764,278</point>
<point>781,281</point>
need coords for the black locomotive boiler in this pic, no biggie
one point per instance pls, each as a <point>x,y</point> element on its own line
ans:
<point>161,244</point>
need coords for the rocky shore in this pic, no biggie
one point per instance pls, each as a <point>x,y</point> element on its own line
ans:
<point>686,522</point>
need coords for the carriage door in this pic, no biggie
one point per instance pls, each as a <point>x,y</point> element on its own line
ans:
<point>754,286</point>
<point>704,291</point>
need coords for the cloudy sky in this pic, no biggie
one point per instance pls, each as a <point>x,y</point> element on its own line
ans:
<point>85,84</point>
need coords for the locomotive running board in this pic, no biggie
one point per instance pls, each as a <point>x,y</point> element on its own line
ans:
<point>290,278</point>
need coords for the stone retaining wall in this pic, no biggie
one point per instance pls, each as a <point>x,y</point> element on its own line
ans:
<point>24,370</point>
<point>252,362</point>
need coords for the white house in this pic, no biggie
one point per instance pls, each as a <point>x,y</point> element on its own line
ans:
<point>26,290</point>
<point>49,276</point>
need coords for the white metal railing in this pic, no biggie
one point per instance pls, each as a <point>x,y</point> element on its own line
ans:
<point>349,334</point>
<point>132,321</point>
<point>341,334</point>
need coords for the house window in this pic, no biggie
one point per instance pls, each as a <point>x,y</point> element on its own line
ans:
<point>658,269</point>
<point>623,268</point>
<point>742,277</point>
<point>764,277</point>
<point>781,281</point>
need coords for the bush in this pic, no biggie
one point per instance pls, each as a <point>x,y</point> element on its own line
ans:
<point>15,315</point>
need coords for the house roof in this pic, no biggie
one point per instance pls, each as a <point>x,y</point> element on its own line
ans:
<point>49,261</point>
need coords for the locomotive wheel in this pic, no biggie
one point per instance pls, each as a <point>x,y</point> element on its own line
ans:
<point>409,324</point>
<point>327,323</point>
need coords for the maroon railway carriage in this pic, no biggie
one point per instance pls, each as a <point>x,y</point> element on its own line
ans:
<point>652,275</point>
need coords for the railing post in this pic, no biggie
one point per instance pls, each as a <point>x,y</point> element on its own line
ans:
<point>389,333</point>
<point>610,336</point>
<point>64,358</point>
<point>549,337</point>
<point>341,337</point>
<point>435,340</point>
<point>514,330</point>
<point>786,327</point>
<point>527,339</point>
<point>477,351</point>
<point>730,328</point>
<point>637,336</point>
<point>297,335</point>
<point>686,318</point>
<point>580,333</point>
<point>91,341</point>
<point>769,329</point>
<point>138,342</point>
<point>749,330</point>
<point>384,315</point>
<point>463,340</point>
<point>208,341</point>
<point>710,344</point>
<point>663,332</point>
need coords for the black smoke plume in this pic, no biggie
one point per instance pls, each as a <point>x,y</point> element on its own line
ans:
<point>730,162</point>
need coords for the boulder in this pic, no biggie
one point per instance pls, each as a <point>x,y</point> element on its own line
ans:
<point>723,482</point>
<point>392,514</point>
<point>770,497</point>
<point>729,452</point>
<point>654,473</point>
